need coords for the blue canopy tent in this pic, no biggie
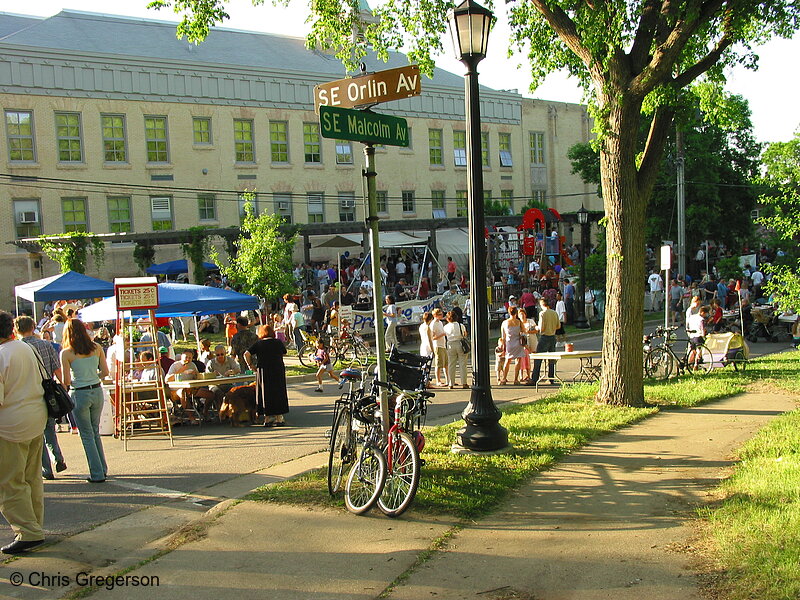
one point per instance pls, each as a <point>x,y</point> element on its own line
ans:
<point>64,286</point>
<point>176,267</point>
<point>178,300</point>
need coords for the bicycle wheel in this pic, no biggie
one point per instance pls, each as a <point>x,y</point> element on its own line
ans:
<point>403,479</point>
<point>365,481</point>
<point>361,354</point>
<point>306,355</point>
<point>739,361</point>
<point>658,363</point>
<point>703,361</point>
<point>341,449</point>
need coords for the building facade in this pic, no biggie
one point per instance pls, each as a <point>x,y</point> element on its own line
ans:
<point>111,124</point>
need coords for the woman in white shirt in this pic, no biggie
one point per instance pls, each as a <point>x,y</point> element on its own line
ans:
<point>425,339</point>
<point>455,332</point>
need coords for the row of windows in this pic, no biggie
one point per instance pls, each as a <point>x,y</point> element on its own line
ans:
<point>21,139</point>
<point>436,148</point>
<point>20,135</point>
<point>75,210</point>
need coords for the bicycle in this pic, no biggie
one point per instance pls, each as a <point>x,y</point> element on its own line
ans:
<point>342,449</point>
<point>367,476</point>
<point>403,445</point>
<point>661,360</point>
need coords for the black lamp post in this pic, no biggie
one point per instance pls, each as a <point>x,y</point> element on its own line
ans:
<point>469,26</point>
<point>583,221</point>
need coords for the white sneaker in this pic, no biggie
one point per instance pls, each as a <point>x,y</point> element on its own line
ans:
<point>319,389</point>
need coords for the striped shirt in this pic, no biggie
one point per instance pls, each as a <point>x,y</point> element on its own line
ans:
<point>47,351</point>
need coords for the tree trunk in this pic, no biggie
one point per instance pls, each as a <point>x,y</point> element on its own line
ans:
<point>625,203</point>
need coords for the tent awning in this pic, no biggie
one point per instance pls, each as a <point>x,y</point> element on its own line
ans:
<point>179,300</point>
<point>64,286</point>
<point>388,239</point>
<point>176,267</point>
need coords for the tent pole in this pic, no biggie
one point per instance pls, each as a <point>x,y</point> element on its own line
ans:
<point>422,270</point>
<point>196,334</point>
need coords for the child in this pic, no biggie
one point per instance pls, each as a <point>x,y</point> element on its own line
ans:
<point>499,359</point>
<point>323,359</point>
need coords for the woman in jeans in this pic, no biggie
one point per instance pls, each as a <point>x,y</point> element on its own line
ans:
<point>83,364</point>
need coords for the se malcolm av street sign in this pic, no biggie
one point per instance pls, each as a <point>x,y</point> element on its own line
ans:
<point>362,126</point>
<point>363,90</point>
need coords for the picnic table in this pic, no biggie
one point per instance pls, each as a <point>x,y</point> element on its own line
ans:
<point>197,383</point>
<point>589,370</point>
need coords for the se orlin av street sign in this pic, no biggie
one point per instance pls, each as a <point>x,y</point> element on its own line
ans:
<point>362,126</point>
<point>372,88</point>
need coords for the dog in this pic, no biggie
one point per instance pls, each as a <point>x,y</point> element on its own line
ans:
<point>239,405</point>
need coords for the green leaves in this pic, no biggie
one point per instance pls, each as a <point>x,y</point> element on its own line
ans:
<point>262,265</point>
<point>72,254</point>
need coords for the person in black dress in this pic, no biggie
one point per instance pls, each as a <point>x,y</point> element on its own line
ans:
<point>272,399</point>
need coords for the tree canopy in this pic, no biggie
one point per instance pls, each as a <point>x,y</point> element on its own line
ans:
<point>262,264</point>
<point>638,60</point>
<point>782,215</point>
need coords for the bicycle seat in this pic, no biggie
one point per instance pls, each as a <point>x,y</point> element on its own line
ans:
<point>427,394</point>
<point>351,374</point>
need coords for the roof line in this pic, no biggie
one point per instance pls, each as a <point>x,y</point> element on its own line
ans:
<point>8,14</point>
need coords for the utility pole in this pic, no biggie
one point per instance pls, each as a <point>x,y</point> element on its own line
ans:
<point>681,190</point>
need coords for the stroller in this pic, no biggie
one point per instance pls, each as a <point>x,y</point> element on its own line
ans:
<point>764,325</point>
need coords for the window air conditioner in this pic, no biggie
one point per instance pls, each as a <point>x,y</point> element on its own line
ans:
<point>283,205</point>
<point>348,203</point>
<point>27,217</point>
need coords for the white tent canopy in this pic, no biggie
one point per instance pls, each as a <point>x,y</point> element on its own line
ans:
<point>388,239</point>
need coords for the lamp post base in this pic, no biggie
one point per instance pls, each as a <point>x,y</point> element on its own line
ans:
<point>581,322</point>
<point>482,431</point>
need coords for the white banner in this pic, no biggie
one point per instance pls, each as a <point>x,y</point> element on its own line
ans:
<point>408,313</point>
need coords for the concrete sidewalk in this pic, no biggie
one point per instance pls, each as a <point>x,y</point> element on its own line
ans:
<point>602,524</point>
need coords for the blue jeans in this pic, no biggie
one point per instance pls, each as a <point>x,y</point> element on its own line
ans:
<point>547,343</point>
<point>51,442</point>
<point>88,406</point>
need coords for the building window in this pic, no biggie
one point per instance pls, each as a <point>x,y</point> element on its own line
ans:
<point>155,137</point>
<point>487,196</point>
<point>437,204</point>
<point>27,218</point>
<point>243,144</point>
<point>279,141</point>
<point>347,206</point>
<point>201,131</point>
<point>461,203</point>
<point>316,208</point>
<point>68,137</point>
<point>119,214</point>
<point>505,150</point>
<point>460,148</point>
<point>161,213</point>
<point>19,130</point>
<point>383,201</point>
<point>312,145</point>
<point>207,207</point>
<point>507,196</point>
<point>485,149</point>
<point>435,146</point>
<point>114,146</point>
<point>539,196</point>
<point>408,201</point>
<point>283,206</point>
<point>244,199</point>
<point>75,214</point>
<point>537,147</point>
<point>344,152</point>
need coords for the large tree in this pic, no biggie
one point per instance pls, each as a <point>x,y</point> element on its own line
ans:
<point>637,59</point>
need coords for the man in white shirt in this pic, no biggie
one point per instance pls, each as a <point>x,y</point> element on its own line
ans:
<point>656,290</point>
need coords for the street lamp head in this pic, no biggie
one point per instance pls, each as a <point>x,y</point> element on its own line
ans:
<point>469,27</point>
<point>583,215</point>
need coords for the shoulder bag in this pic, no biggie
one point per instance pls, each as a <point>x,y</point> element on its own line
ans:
<point>466,348</point>
<point>58,402</point>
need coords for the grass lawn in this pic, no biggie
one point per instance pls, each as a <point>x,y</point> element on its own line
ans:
<point>752,533</point>
<point>540,432</point>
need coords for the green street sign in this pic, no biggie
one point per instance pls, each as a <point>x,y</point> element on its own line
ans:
<point>362,126</point>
